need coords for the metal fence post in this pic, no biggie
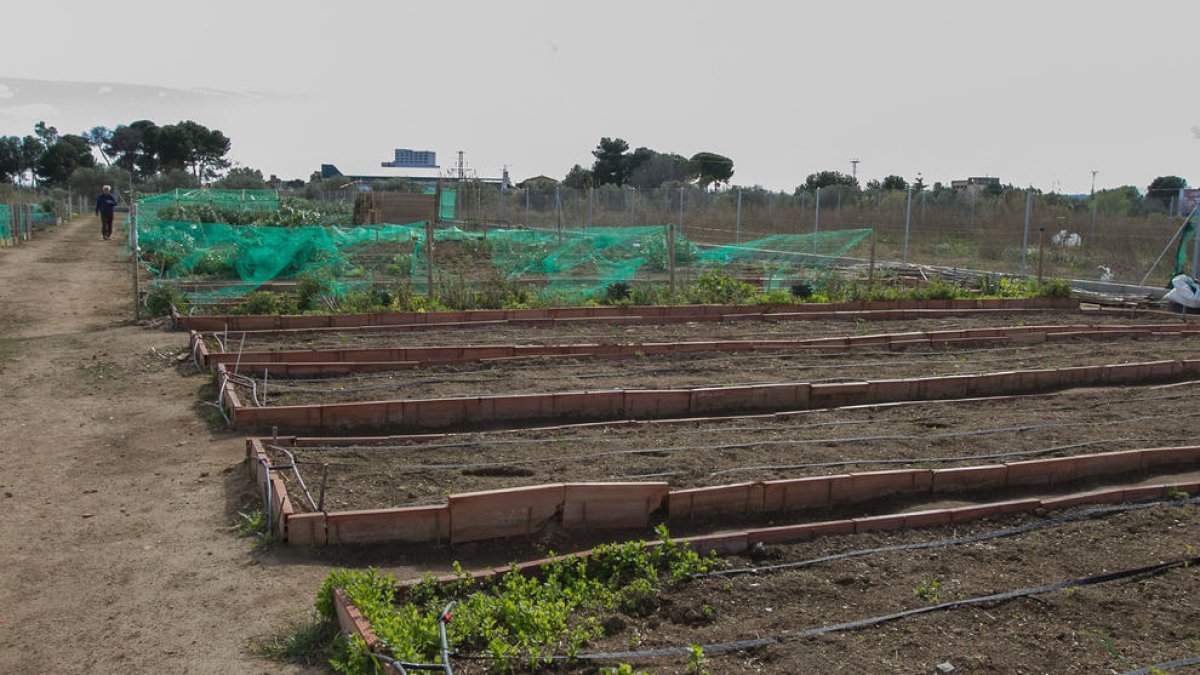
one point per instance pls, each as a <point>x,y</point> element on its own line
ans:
<point>907,220</point>
<point>1025,238</point>
<point>737,228</point>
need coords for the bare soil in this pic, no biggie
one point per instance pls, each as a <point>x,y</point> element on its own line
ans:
<point>695,454</point>
<point>1107,628</point>
<point>591,333</point>
<point>715,369</point>
<point>116,497</point>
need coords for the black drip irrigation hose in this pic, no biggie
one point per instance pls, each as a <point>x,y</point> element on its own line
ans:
<point>742,645</point>
<point>1166,665</point>
<point>954,541</point>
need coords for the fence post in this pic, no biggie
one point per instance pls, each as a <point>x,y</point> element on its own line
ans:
<point>671,258</point>
<point>437,210</point>
<point>907,219</point>
<point>737,228</point>
<point>871,269</point>
<point>816,214</point>
<point>1041,245</point>
<point>681,210</point>
<point>133,257</point>
<point>1025,237</point>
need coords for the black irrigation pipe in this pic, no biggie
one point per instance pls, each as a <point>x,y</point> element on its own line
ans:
<point>742,645</point>
<point>1166,665</point>
<point>954,541</point>
<point>1155,569</point>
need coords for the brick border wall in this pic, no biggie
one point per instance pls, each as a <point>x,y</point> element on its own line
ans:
<point>516,512</point>
<point>500,409</point>
<point>309,362</point>
<point>640,313</point>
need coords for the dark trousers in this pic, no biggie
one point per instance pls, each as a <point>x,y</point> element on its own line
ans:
<point>106,224</point>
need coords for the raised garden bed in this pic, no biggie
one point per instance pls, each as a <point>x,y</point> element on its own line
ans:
<point>1016,593</point>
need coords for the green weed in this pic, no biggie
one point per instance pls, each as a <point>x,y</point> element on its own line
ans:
<point>929,592</point>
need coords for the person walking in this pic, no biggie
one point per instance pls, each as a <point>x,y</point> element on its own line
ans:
<point>105,204</point>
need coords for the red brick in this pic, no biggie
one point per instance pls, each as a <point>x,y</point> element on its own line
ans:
<point>657,402</point>
<point>798,493</point>
<point>931,518</point>
<point>944,387</point>
<point>611,505</point>
<point>876,523</point>
<point>803,532</point>
<point>1105,496</point>
<point>991,510</point>
<point>884,391</point>
<point>838,394</point>
<point>993,384</point>
<point>495,514</point>
<point>1118,374</point>
<point>873,485</point>
<point>1140,492</point>
<point>1108,463</point>
<point>727,543</point>
<point>351,621</point>
<point>1042,472</point>
<point>970,478</point>
<point>306,529</point>
<point>715,502</point>
<point>1156,457</point>
<point>415,524</point>
<point>438,413</point>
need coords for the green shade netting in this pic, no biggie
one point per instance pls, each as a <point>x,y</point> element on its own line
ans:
<point>229,261</point>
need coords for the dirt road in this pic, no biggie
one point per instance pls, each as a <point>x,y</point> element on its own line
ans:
<point>115,494</point>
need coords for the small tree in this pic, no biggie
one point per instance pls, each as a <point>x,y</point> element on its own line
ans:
<point>894,182</point>
<point>712,168</point>
<point>1165,188</point>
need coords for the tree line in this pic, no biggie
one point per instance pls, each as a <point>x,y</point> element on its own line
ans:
<point>141,151</point>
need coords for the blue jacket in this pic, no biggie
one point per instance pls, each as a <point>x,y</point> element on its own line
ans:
<point>105,204</point>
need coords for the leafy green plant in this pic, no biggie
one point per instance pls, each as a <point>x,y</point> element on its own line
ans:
<point>695,662</point>
<point>162,296</point>
<point>310,286</point>
<point>517,619</point>
<point>265,302</point>
<point>929,591</point>
<point>622,669</point>
<point>719,288</point>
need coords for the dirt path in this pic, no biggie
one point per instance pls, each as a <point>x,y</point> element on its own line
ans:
<point>115,495</point>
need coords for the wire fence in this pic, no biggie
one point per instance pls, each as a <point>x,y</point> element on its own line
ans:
<point>1007,231</point>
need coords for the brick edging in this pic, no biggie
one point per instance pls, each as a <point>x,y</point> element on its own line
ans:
<point>435,413</point>
<point>523,511</point>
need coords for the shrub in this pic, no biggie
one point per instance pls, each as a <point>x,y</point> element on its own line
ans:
<point>162,296</point>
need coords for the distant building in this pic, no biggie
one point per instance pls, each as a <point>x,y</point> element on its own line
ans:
<point>417,159</point>
<point>975,183</point>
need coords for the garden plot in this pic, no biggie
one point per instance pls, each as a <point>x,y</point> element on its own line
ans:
<point>491,334</point>
<point>1082,621</point>
<point>707,369</point>
<point>405,471</point>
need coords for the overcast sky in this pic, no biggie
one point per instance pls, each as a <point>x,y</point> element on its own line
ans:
<point>1037,93</point>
